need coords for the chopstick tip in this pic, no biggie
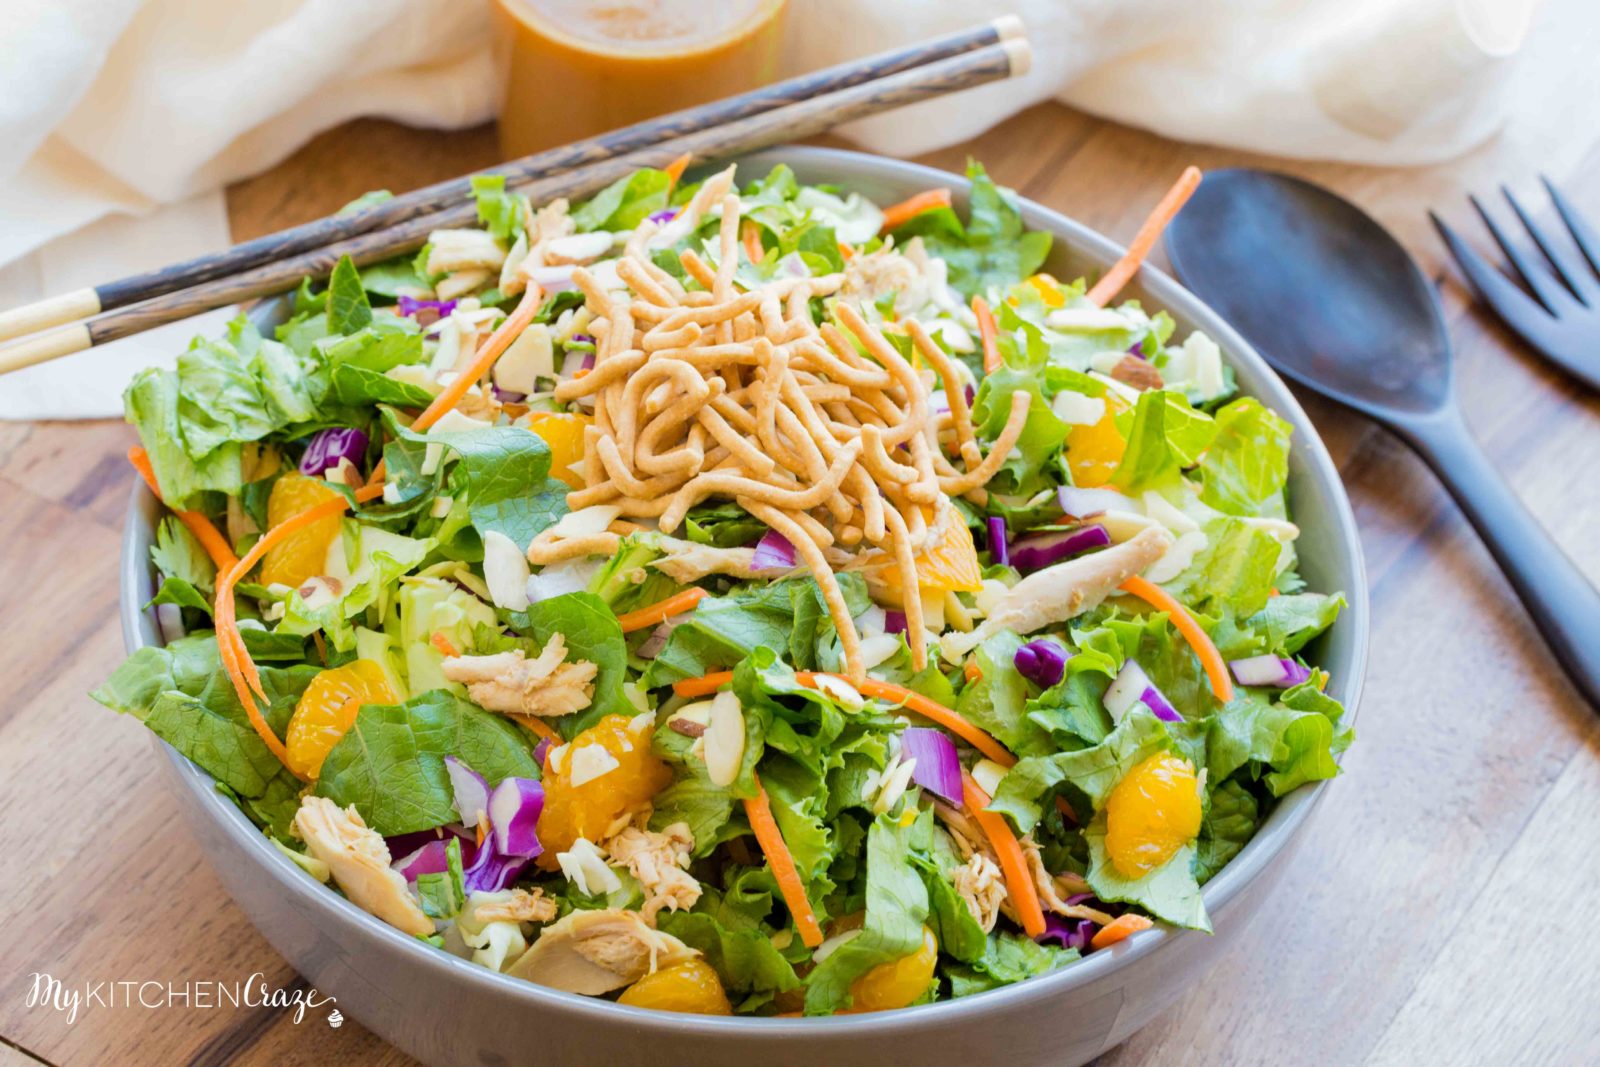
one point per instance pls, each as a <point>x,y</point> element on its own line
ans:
<point>1009,28</point>
<point>1020,54</point>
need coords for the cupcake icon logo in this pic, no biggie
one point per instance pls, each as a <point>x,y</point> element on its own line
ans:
<point>335,1019</point>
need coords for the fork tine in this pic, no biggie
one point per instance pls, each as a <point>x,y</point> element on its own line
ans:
<point>1577,278</point>
<point>1539,281</point>
<point>1513,305</point>
<point>1577,225</point>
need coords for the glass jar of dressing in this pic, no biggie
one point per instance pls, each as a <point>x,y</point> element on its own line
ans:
<point>576,68</point>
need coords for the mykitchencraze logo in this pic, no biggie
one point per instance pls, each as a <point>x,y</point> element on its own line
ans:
<point>47,991</point>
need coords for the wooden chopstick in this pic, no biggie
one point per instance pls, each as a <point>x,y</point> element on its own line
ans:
<point>804,118</point>
<point>82,303</point>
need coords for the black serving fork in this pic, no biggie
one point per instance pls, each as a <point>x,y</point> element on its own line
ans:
<point>1561,319</point>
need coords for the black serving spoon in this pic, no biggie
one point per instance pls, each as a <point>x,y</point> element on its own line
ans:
<point>1332,300</point>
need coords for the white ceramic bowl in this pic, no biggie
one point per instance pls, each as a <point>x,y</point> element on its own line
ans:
<point>445,1010</point>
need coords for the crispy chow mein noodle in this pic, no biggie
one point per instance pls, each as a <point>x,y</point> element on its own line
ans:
<point>821,430</point>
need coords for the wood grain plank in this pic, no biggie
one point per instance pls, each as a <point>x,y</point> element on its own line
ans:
<point>1531,928</point>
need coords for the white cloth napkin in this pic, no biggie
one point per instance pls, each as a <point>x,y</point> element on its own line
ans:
<point>118,107</point>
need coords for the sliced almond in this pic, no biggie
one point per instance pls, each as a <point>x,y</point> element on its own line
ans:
<point>894,787</point>
<point>724,739</point>
<point>590,762</point>
<point>505,569</point>
<point>530,357</point>
<point>577,248</point>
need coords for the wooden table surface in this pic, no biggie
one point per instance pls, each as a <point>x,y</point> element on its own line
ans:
<point>1439,910</point>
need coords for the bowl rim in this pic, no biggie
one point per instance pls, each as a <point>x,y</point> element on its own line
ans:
<point>1275,833</point>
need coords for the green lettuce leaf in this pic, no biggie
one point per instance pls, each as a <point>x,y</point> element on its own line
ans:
<point>591,633</point>
<point>1231,818</point>
<point>896,905</point>
<point>997,702</point>
<point>182,694</point>
<point>1007,958</point>
<point>178,554</point>
<point>390,763</point>
<point>1165,436</point>
<point>626,202</point>
<point>991,250</point>
<point>348,308</point>
<point>1246,467</point>
<point>504,473</point>
<point>1296,736</point>
<point>499,212</point>
<point>743,958</point>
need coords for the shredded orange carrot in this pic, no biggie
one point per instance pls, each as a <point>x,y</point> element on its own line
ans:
<point>676,168</point>
<point>1066,810</point>
<point>897,215</point>
<point>210,538</point>
<point>497,343</point>
<point>898,695</point>
<point>1008,850</point>
<point>703,686</point>
<point>972,672</point>
<point>438,640</point>
<point>988,334</point>
<point>1119,928</point>
<point>230,643</point>
<point>1125,268</point>
<point>1199,640</point>
<point>846,251</point>
<point>758,809</point>
<point>750,234</point>
<point>661,610</point>
<point>930,709</point>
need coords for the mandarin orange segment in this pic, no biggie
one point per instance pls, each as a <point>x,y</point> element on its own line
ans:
<point>950,565</point>
<point>328,708</point>
<point>1094,450</point>
<point>302,554</point>
<point>691,986</point>
<point>564,435</point>
<point>898,983</point>
<point>1151,814</point>
<point>616,773</point>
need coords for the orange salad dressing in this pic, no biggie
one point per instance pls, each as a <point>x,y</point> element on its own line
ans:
<point>576,68</point>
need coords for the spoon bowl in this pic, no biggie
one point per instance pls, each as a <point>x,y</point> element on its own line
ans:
<point>1332,299</point>
<point>1334,302</point>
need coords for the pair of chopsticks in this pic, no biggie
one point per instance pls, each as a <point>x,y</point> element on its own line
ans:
<point>799,107</point>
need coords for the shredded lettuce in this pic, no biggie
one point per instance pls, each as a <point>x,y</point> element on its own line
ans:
<point>991,250</point>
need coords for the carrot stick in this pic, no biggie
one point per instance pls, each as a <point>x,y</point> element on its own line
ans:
<point>1199,640</point>
<point>1125,268</point>
<point>1119,928</point>
<point>897,215</point>
<point>676,168</point>
<point>758,809</point>
<point>661,610</point>
<point>988,334</point>
<point>1008,850</point>
<point>703,686</point>
<point>210,538</point>
<point>1066,810</point>
<point>538,726</point>
<point>438,640</point>
<point>929,709</point>
<point>751,236</point>
<point>497,343</point>
<point>972,672</point>
<point>230,643</point>
<point>898,695</point>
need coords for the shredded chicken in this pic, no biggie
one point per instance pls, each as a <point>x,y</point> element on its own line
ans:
<point>510,683</point>
<point>687,562</point>
<point>913,278</point>
<point>1063,591</point>
<point>594,952</point>
<point>358,858</point>
<point>966,835</point>
<point>982,886</point>
<point>523,906</point>
<point>658,859</point>
<point>1050,888</point>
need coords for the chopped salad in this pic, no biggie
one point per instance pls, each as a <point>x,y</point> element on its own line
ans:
<point>735,599</point>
